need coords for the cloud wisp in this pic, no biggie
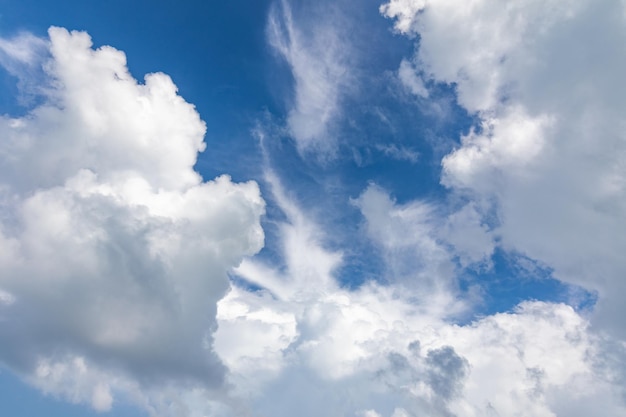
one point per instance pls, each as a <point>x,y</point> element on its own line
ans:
<point>318,57</point>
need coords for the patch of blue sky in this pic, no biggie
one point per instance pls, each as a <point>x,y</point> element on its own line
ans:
<point>8,101</point>
<point>514,278</point>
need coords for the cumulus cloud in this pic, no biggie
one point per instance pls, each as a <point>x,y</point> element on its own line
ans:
<point>113,250</point>
<point>314,348</point>
<point>547,153</point>
<point>317,55</point>
<point>391,348</point>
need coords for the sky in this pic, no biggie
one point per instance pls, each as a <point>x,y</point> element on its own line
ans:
<point>341,208</point>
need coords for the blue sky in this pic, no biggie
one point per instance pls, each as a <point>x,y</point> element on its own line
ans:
<point>373,209</point>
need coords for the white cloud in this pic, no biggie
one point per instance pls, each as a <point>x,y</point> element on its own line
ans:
<point>538,352</point>
<point>470,237</point>
<point>510,142</point>
<point>410,80</point>
<point>369,413</point>
<point>314,348</point>
<point>6,298</point>
<point>424,249</point>
<point>73,379</point>
<point>114,252</point>
<point>404,11</point>
<point>318,57</point>
<point>400,153</point>
<point>24,48</point>
<point>22,56</point>
<point>549,149</point>
<point>400,412</point>
<point>414,255</point>
<point>480,48</point>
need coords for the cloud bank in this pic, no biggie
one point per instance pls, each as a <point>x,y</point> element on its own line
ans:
<point>548,152</point>
<point>304,345</point>
<point>113,250</point>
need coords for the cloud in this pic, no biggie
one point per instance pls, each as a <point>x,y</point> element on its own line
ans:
<point>314,348</point>
<point>400,153</point>
<point>115,254</point>
<point>318,57</point>
<point>405,13</point>
<point>471,239</point>
<point>547,152</point>
<point>391,347</point>
<point>24,48</point>
<point>410,80</point>
<point>414,256</point>
<point>481,50</point>
<point>113,250</point>
<point>22,56</point>
<point>424,248</point>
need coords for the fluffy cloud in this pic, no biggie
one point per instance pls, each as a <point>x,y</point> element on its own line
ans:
<point>113,251</point>
<point>389,349</point>
<point>548,153</point>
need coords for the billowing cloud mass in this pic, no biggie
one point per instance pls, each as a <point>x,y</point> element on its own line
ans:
<point>392,348</point>
<point>115,255</point>
<point>113,251</point>
<point>549,149</point>
<point>304,345</point>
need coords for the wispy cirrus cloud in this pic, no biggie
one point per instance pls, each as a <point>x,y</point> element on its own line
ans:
<point>318,54</point>
<point>399,153</point>
<point>22,56</point>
